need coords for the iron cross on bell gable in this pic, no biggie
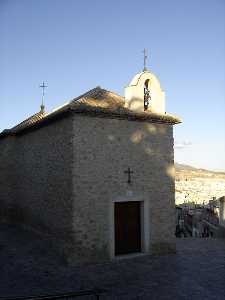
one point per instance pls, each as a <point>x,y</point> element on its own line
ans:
<point>128,172</point>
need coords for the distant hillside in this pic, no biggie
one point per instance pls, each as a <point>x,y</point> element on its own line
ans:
<point>183,167</point>
<point>198,185</point>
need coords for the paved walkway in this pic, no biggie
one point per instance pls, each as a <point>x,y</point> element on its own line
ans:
<point>197,271</point>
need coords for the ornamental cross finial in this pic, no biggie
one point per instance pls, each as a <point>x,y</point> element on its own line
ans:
<point>43,86</point>
<point>145,59</point>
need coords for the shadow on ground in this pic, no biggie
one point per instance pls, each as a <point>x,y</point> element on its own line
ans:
<point>28,267</point>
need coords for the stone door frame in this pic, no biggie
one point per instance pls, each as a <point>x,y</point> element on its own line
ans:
<point>145,224</point>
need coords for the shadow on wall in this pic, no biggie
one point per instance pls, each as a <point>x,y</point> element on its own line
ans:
<point>150,146</point>
<point>53,183</point>
<point>106,151</point>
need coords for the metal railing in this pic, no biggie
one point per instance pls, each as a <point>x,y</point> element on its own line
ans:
<point>69,296</point>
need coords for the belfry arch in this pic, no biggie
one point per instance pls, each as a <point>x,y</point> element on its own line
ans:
<point>147,96</point>
<point>144,93</point>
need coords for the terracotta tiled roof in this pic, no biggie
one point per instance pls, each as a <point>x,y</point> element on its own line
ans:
<point>99,97</point>
<point>29,121</point>
<point>102,102</point>
<point>96,102</point>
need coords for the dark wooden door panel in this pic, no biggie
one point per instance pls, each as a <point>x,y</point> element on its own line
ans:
<point>127,227</point>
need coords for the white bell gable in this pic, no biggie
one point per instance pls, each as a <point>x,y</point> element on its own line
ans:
<point>134,94</point>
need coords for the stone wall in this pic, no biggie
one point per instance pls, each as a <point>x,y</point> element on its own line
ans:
<point>103,150</point>
<point>62,180</point>
<point>36,178</point>
<point>7,176</point>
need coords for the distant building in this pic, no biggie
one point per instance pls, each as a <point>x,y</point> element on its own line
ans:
<point>222,211</point>
<point>180,230</point>
<point>193,222</point>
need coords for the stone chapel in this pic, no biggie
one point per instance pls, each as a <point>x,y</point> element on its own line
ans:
<point>96,176</point>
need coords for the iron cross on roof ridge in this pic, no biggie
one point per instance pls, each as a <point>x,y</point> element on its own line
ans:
<point>129,172</point>
<point>43,86</point>
<point>145,60</point>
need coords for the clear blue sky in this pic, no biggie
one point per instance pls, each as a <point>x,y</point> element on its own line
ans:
<point>77,45</point>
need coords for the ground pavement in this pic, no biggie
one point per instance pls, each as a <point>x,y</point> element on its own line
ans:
<point>28,267</point>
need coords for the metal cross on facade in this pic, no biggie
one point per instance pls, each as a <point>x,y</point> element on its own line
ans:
<point>43,86</point>
<point>129,172</point>
<point>145,59</point>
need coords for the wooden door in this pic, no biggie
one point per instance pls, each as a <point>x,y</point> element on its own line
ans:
<point>127,227</point>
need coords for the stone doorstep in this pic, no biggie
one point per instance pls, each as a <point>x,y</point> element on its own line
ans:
<point>130,255</point>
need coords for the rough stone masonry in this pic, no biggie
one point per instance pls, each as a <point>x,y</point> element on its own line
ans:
<point>62,173</point>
